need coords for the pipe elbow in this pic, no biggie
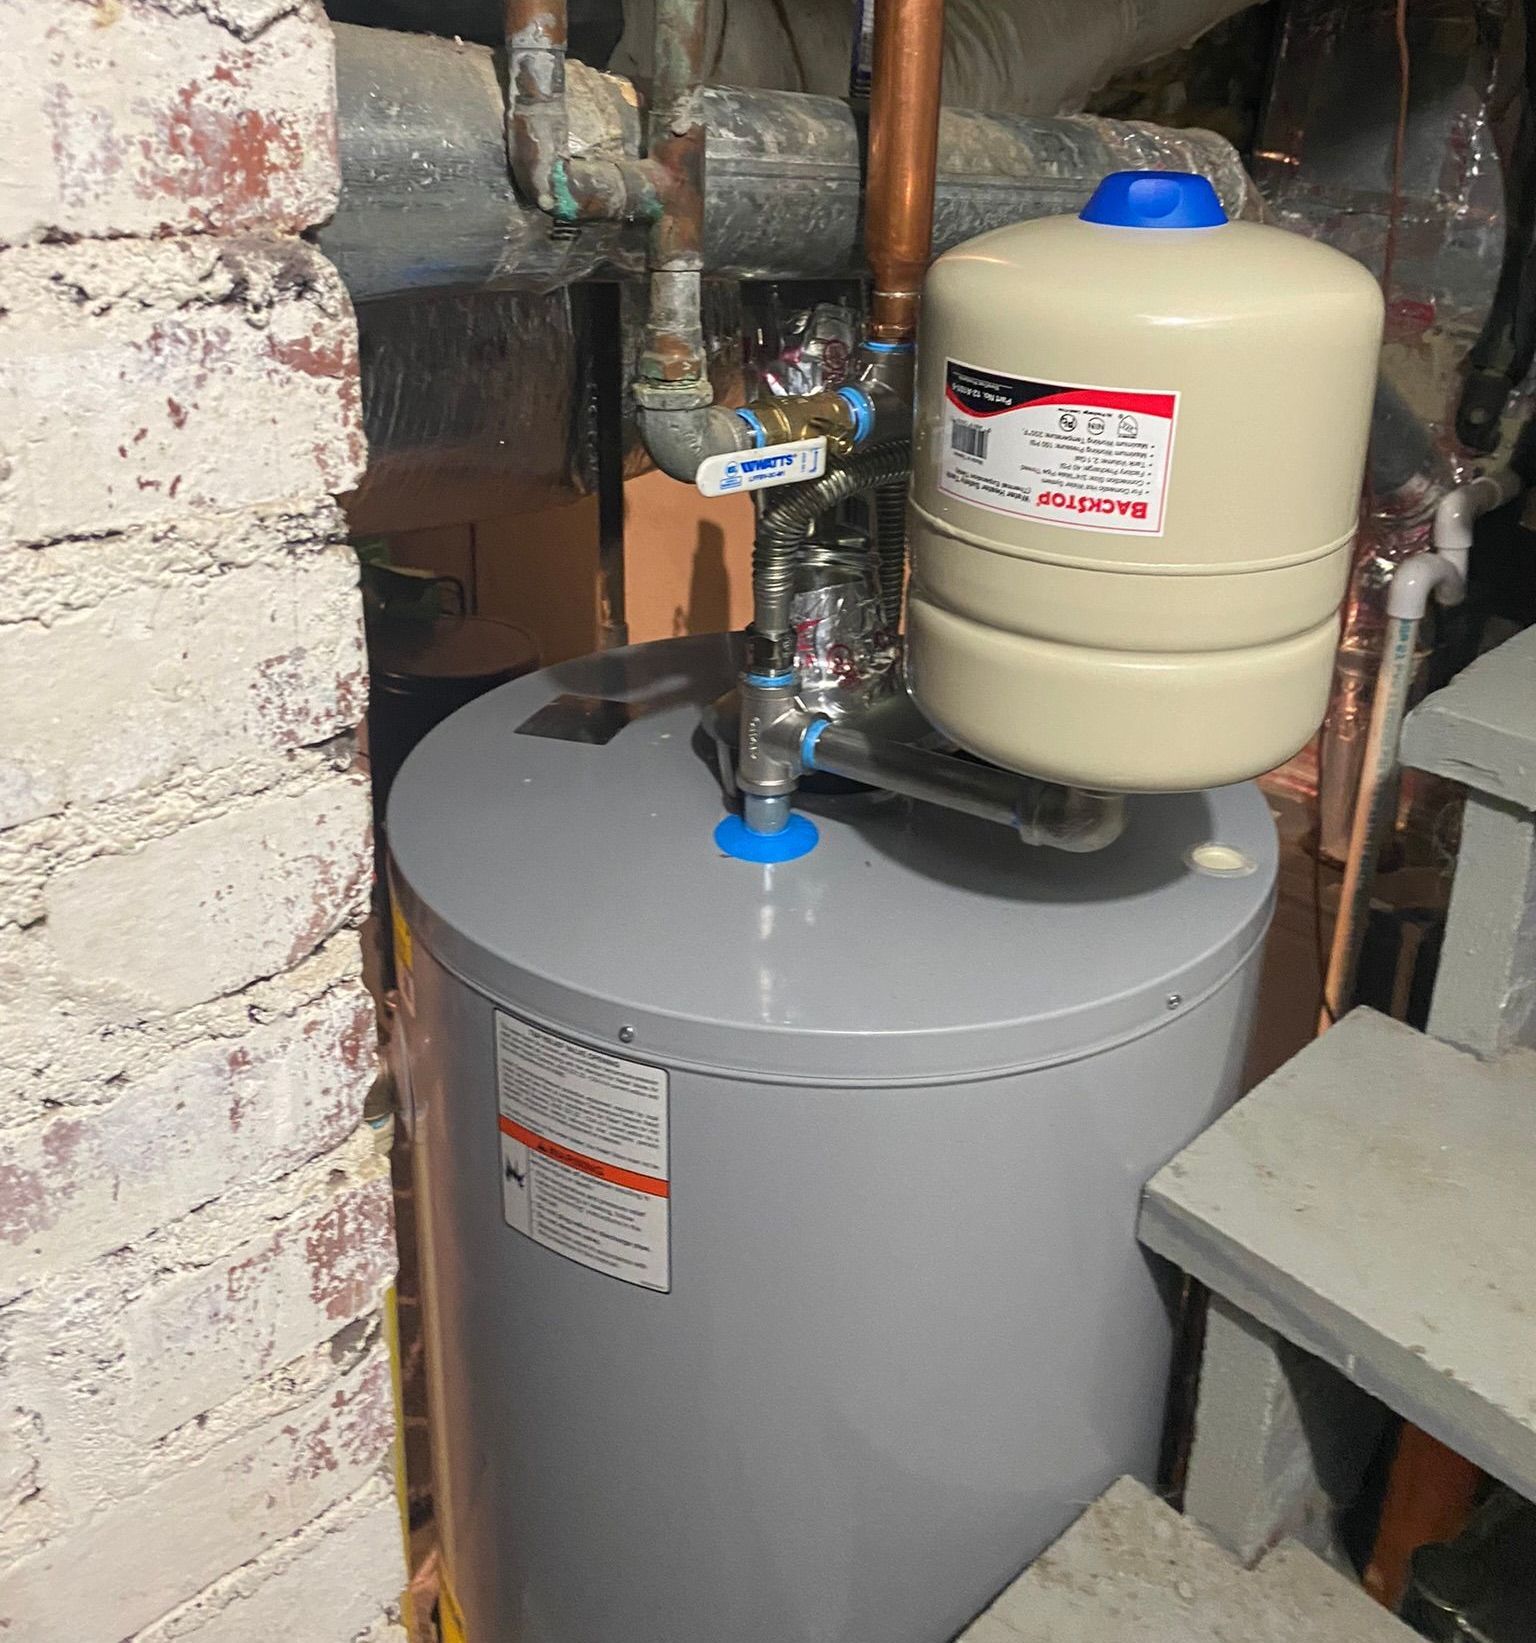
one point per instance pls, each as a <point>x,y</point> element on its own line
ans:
<point>1071,818</point>
<point>1459,510</point>
<point>677,441</point>
<point>1423,577</point>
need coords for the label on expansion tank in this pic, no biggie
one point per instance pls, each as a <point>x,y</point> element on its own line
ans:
<point>1090,458</point>
<point>584,1153</point>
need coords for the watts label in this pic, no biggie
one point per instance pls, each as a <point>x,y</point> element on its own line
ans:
<point>1062,453</point>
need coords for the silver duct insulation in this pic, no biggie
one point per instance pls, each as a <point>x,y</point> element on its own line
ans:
<point>427,202</point>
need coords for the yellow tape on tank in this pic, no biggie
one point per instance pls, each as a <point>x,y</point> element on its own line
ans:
<point>450,1621</point>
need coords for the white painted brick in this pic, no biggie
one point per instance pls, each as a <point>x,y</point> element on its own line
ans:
<point>134,1367</point>
<point>137,117</point>
<point>210,908</point>
<point>20,1434</point>
<point>143,379</point>
<point>198,672</point>
<point>326,1584</point>
<point>214,1114</point>
<point>46,582</point>
<point>55,1048</point>
<point>103,1578</point>
<point>196,1340</point>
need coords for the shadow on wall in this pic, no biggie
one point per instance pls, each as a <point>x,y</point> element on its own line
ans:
<point>689,560</point>
<point>689,564</point>
<point>709,587</point>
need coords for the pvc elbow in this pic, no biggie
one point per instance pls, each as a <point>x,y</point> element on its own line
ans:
<point>1425,576</point>
<point>679,440</point>
<point>1460,509</point>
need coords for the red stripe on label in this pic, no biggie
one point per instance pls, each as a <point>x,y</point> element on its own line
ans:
<point>1111,399</point>
<point>611,1173</point>
<point>1099,399</point>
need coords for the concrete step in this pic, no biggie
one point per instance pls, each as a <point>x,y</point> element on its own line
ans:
<point>1131,1570</point>
<point>1374,1202</point>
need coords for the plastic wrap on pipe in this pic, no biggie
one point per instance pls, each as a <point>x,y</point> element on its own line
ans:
<point>426,201</point>
<point>480,396</point>
<point>785,177</point>
<point>1000,56</point>
<point>1324,160</point>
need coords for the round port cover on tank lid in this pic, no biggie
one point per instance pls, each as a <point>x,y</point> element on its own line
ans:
<point>1155,199</point>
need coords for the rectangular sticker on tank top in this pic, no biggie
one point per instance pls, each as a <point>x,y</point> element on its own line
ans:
<point>1090,458</point>
<point>584,1153</point>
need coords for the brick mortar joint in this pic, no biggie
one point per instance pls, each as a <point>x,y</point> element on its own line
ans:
<point>128,818</point>
<point>322,554</point>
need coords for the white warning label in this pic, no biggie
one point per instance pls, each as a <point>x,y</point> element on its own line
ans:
<point>1064,453</point>
<point>584,1153</point>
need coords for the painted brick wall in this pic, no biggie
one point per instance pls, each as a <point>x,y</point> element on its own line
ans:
<point>195,1233</point>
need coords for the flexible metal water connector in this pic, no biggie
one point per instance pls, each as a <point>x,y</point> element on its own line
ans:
<point>784,527</point>
<point>1042,813</point>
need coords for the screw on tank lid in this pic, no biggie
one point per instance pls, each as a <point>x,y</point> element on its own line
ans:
<point>1154,199</point>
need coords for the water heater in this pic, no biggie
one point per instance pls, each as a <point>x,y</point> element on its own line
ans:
<point>1139,440</point>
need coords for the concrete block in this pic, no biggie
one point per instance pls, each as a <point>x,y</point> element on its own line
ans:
<point>148,117</point>
<point>212,907</point>
<point>109,1574</point>
<point>1375,1203</point>
<point>326,1584</point>
<point>1485,988</point>
<point>196,672</point>
<point>1481,728</point>
<point>1281,1440</point>
<point>1131,1570</point>
<point>83,1180</point>
<point>144,379</point>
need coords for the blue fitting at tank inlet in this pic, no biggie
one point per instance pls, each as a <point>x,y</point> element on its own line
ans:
<point>889,347</point>
<point>798,838</point>
<point>808,740</point>
<point>858,402</point>
<point>769,681</point>
<point>759,433</point>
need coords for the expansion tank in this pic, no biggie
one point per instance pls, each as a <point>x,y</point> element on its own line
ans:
<point>778,1222</point>
<point>1139,441</point>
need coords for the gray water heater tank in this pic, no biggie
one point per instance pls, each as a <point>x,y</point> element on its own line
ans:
<point>778,1221</point>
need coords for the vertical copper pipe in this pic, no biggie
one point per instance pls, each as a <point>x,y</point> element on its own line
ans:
<point>903,159</point>
<point>535,33</point>
<point>673,357</point>
<point>1430,1496</point>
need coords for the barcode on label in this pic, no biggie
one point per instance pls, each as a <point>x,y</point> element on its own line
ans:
<point>968,439</point>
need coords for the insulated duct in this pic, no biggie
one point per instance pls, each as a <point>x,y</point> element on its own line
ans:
<point>1000,56</point>
<point>427,201</point>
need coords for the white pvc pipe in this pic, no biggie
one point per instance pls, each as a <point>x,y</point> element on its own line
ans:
<point>1440,575</point>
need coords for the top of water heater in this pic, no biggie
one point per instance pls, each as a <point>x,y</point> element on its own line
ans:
<point>1154,199</point>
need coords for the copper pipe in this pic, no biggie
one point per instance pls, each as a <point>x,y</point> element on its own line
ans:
<point>665,189</point>
<point>673,365</point>
<point>1430,1496</point>
<point>903,160</point>
<point>569,189</point>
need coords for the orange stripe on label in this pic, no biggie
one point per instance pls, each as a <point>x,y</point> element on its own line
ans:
<point>610,1173</point>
